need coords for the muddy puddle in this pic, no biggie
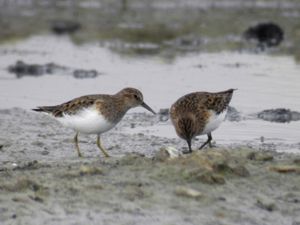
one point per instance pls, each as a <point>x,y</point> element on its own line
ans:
<point>53,51</point>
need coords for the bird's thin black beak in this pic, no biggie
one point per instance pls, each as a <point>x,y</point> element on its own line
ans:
<point>147,107</point>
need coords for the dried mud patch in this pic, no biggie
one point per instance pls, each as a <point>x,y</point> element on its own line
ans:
<point>202,186</point>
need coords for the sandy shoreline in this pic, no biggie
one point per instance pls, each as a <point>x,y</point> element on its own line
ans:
<point>43,181</point>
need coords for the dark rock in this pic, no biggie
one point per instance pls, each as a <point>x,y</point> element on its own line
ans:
<point>82,74</point>
<point>233,115</point>
<point>211,178</point>
<point>260,156</point>
<point>37,199</point>
<point>65,27</point>
<point>187,43</point>
<point>22,185</point>
<point>266,35</point>
<point>279,115</point>
<point>23,69</point>
<point>52,68</point>
<point>28,165</point>
<point>297,161</point>
<point>266,204</point>
<point>45,152</point>
<point>241,171</point>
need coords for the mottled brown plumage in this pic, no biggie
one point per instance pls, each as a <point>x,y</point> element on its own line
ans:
<point>95,114</point>
<point>192,113</point>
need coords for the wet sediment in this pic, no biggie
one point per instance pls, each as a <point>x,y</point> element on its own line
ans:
<point>212,186</point>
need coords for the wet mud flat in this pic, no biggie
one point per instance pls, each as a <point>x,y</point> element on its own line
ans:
<point>43,181</point>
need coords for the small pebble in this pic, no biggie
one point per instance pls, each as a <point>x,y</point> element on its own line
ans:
<point>188,192</point>
<point>45,152</point>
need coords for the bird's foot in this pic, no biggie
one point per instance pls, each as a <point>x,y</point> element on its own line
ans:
<point>186,152</point>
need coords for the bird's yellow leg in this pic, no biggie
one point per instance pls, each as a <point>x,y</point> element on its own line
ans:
<point>77,145</point>
<point>101,147</point>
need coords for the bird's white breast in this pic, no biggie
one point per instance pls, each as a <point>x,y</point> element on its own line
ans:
<point>214,121</point>
<point>88,121</point>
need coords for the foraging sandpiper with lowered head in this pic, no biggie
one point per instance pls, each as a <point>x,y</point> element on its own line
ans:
<point>95,114</point>
<point>199,113</point>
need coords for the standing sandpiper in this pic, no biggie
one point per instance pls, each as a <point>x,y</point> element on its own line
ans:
<point>199,113</point>
<point>95,114</point>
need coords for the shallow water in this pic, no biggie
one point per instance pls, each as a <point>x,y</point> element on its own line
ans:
<point>263,82</point>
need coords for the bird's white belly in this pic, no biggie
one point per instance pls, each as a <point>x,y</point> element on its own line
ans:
<point>87,121</point>
<point>214,121</point>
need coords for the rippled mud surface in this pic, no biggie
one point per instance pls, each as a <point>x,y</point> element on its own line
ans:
<point>43,180</point>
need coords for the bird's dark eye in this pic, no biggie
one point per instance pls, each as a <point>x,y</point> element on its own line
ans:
<point>136,97</point>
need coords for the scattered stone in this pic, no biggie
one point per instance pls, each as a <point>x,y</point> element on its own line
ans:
<point>38,143</point>
<point>266,204</point>
<point>163,115</point>
<point>260,156</point>
<point>185,43</point>
<point>52,68</point>
<point>162,155</point>
<point>3,210</point>
<point>87,170</point>
<point>133,192</point>
<point>28,165</point>
<point>167,153</point>
<point>233,115</point>
<point>95,187</point>
<point>65,27</point>
<point>292,197</point>
<point>285,168</point>
<point>240,171</point>
<point>266,35</point>
<point>221,198</point>
<point>21,69</point>
<point>297,161</point>
<point>22,185</point>
<point>37,199</point>
<point>5,144</point>
<point>279,115</point>
<point>211,178</point>
<point>134,159</point>
<point>45,152</point>
<point>188,192</point>
<point>143,48</point>
<point>20,199</point>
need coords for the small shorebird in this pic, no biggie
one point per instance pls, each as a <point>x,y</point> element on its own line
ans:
<point>95,114</point>
<point>199,113</point>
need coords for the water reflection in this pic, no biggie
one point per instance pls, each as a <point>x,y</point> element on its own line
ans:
<point>152,27</point>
